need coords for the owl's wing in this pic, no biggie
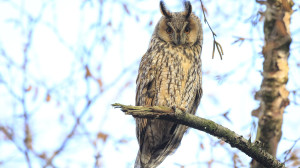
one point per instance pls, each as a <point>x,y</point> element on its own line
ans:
<point>144,93</point>
<point>197,100</point>
<point>198,95</point>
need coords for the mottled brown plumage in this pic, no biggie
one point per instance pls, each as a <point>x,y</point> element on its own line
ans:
<point>169,75</point>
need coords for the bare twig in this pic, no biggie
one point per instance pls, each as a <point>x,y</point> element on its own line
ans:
<point>165,113</point>
<point>216,44</point>
<point>290,150</point>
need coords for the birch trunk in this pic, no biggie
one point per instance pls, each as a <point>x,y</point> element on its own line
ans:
<point>273,95</point>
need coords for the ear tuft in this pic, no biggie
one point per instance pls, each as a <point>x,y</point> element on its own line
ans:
<point>188,8</point>
<point>164,11</point>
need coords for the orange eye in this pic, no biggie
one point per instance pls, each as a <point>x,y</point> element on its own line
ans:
<point>169,30</point>
<point>187,29</point>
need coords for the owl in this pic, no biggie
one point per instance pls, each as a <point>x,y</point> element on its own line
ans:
<point>169,75</point>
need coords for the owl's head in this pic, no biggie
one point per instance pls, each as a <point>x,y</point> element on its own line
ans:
<point>179,28</point>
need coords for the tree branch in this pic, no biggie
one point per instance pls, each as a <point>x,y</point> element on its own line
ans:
<point>254,150</point>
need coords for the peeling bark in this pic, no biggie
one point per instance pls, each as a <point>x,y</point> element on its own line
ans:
<point>273,95</point>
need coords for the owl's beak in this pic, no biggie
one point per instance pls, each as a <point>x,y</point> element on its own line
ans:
<point>179,40</point>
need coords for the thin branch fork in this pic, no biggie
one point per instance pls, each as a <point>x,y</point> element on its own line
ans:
<point>254,150</point>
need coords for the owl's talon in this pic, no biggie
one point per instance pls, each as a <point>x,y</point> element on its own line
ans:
<point>182,109</point>
<point>174,108</point>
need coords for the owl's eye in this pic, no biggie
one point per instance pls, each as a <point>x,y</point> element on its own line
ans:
<point>169,30</point>
<point>187,29</point>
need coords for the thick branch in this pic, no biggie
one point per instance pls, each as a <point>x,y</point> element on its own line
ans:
<point>159,112</point>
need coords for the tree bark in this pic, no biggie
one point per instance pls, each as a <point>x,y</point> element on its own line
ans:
<point>253,150</point>
<point>273,95</point>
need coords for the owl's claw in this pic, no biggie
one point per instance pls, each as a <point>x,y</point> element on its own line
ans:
<point>181,108</point>
<point>174,108</point>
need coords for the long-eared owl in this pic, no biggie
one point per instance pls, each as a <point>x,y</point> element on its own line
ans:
<point>169,75</point>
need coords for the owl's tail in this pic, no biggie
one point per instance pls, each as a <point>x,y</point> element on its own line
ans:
<point>137,163</point>
<point>142,162</point>
<point>145,159</point>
